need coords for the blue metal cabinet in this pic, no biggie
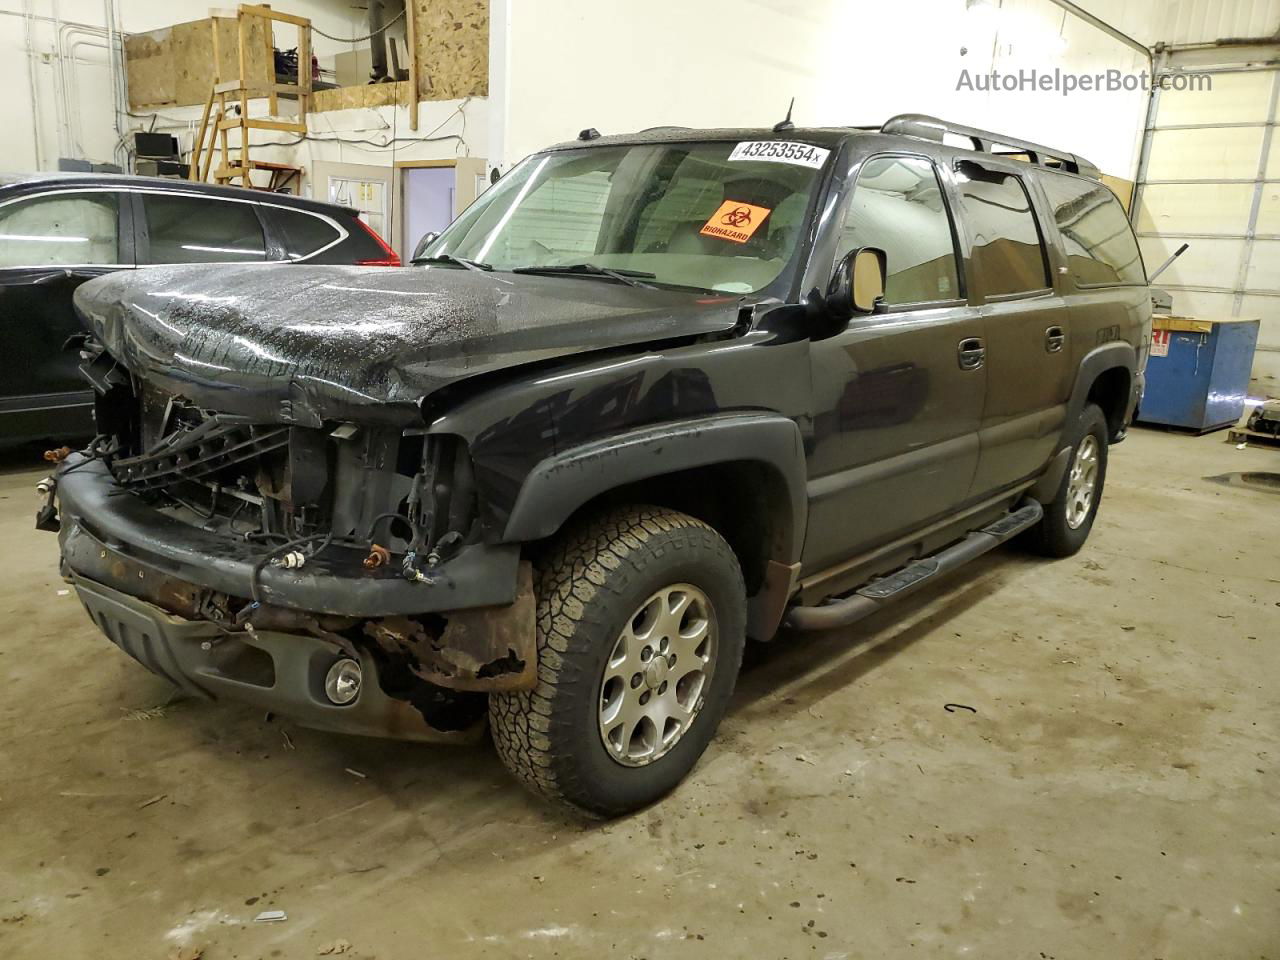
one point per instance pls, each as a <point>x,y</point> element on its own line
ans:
<point>1198,372</point>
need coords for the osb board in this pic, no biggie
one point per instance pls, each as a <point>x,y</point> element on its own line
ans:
<point>174,66</point>
<point>365,95</point>
<point>1123,189</point>
<point>453,48</point>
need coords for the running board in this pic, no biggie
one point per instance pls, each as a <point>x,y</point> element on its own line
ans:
<point>878,593</point>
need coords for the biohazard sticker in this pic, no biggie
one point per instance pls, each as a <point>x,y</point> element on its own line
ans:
<point>735,221</point>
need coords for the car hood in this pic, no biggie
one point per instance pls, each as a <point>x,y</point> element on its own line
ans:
<point>305,343</point>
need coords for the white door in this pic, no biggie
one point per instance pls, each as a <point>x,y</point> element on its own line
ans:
<point>1210,177</point>
<point>363,187</point>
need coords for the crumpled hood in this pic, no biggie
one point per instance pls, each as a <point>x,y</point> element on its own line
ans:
<point>321,342</point>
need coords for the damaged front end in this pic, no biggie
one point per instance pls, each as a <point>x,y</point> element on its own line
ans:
<point>253,559</point>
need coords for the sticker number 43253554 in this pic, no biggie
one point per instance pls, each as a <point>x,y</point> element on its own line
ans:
<point>780,151</point>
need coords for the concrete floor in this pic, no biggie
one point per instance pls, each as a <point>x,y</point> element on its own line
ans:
<point>1113,796</point>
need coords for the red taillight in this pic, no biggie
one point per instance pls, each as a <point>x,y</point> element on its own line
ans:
<point>392,259</point>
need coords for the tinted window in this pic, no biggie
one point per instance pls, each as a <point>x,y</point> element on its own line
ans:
<point>60,230</point>
<point>897,205</point>
<point>1095,232</point>
<point>1007,250</point>
<point>304,235</point>
<point>200,230</point>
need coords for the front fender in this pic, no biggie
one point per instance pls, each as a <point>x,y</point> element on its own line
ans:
<point>563,482</point>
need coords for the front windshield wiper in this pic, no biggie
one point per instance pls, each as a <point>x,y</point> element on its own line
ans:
<point>450,258</point>
<point>592,270</point>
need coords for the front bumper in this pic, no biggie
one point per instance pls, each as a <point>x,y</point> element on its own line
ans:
<point>279,672</point>
<point>160,589</point>
<point>94,510</point>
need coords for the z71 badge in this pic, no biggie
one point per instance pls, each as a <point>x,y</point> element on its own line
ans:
<point>780,151</point>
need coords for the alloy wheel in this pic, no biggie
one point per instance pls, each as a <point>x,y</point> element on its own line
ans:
<point>656,674</point>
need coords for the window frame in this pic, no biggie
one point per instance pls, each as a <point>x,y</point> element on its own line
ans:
<point>125,249</point>
<point>852,178</point>
<point>278,241</point>
<point>1032,195</point>
<point>1044,178</point>
<point>270,247</point>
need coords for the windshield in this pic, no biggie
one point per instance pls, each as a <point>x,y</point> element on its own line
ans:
<point>713,216</point>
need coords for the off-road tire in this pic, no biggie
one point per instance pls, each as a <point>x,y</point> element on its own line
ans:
<point>1053,536</point>
<point>588,584</point>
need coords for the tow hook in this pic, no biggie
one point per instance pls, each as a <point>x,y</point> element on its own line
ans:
<point>47,515</point>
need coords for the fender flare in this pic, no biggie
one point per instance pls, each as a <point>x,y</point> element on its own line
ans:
<point>1117,353</point>
<point>563,482</point>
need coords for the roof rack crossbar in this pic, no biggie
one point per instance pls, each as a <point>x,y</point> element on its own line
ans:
<point>931,128</point>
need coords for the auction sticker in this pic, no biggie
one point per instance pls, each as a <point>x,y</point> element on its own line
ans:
<point>1160,342</point>
<point>781,151</point>
<point>735,221</point>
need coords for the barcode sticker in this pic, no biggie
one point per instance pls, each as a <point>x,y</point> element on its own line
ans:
<point>781,151</point>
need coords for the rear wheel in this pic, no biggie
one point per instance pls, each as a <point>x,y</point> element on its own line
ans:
<point>1069,517</point>
<point>641,618</point>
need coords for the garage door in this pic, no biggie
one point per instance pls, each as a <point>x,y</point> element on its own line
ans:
<point>1210,177</point>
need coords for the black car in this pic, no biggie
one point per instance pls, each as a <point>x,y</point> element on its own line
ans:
<point>58,230</point>
<point>647,397</point>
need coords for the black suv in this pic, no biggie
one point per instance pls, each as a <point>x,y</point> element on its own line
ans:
<point>58,230</point>
<point>649,396</point>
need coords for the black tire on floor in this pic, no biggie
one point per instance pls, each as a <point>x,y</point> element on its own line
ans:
<point>590,585</point>
<point>1054,536</point>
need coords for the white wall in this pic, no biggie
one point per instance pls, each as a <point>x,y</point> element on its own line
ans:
<point>58,94</point>
<point>562,65</point>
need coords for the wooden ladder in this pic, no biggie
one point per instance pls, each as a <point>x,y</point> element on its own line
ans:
<point>227,106</point>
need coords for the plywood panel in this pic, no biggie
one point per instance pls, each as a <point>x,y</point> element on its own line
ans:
<point>148,60</point>
<point>453,48</point>
<point>1123,189</point>
<point>365,95</point>
<point>174,66</point>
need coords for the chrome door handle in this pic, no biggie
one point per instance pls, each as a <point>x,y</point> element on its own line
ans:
<point>972,353</point>
<point>1054,339</point>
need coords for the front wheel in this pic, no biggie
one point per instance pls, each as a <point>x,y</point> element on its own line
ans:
<point>1069,517</point>
<point>640,621</point>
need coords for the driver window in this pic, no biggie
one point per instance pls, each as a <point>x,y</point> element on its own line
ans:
<point>897,205</point>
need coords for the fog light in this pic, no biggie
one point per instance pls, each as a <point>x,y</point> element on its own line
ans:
<point>342,683</point>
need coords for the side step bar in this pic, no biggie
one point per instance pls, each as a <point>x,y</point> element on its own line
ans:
<point>878,593</point>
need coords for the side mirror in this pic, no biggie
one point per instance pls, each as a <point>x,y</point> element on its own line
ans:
<point>858,283</point>
<point>428,238</point>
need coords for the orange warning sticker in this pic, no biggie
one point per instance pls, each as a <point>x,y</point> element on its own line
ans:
<point>735,221</point>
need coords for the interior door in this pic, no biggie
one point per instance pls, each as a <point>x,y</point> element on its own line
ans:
<point>1024,326</point>
<point>430,202</point>
<point>898,394</point>
<point>363,187</point>
<point>49,245</point>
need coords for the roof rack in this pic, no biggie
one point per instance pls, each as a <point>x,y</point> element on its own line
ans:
<point>931,128</point>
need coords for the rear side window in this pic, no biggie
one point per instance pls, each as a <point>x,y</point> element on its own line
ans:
<point>60,230</point>
<point>897,205</point>
<point>1007,249</point>
<point>187,229</point>
<point>1099,242</point>
<point>304,235</point>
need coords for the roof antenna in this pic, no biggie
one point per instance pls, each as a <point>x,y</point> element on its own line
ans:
<point>785,123</point>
